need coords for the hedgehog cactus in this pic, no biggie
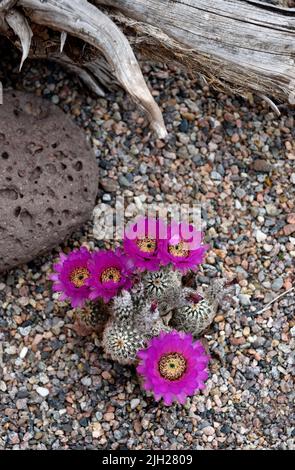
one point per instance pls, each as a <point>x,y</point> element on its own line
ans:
<point>143,288</point>
<point>133,321</point>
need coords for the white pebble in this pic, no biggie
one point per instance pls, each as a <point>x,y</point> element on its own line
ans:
<point>3,387</point>
<point>134,403</point>
<point>245,299</point>
<point>25,331</point>
<point>23,352</point>
<point>86,381</point>
<point>260,236</point>
<point>42,391</point>
<point>209,431</point>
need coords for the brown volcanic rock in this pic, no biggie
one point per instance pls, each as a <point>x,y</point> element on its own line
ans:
<point>48,178</point>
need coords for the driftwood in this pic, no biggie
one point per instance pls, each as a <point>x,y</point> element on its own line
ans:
<point>238,46</point>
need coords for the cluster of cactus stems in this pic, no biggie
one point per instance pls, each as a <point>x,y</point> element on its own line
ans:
<point>157,302</point>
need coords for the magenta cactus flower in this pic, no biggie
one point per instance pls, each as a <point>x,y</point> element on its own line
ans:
<point>173,366</point>
<point>141,242</point>
<point>110,272</point>
<point>182,247</point>
<point>70,276</point>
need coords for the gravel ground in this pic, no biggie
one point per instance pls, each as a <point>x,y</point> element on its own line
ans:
<point>235,158</point>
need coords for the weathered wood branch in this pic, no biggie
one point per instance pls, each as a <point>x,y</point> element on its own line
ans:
<point>237,45</point>
<point>240,46</point>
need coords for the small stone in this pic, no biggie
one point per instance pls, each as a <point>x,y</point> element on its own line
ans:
<point>42,391</point>
<point>109,416</point>
<point>106,375</point>
<point>291,218</point>
<point>123,181</point>
<point>97,430</point>
<point>225,429</point>
<point>246,331</point>
<point>134,403</point>
<point>208,431</point>
<point>277,284</point>
<point>292,178</point>
<point>109,185</point>
<point>262,166</point>
<point>245,299</point>
<point>11,350</point>
<point>142,168</point>
<point>137,426</point>
<point>271,209</point>
<point>25,331</point>
<point>216,176</point>
<point>260,236</point>
<point>21,404</point>
<point>235,138</point>
<point>86,381</point>
<point>3,387</point>
<point>23,352</point>
<point>267,247</point>
<point>289,229</point>
<point>55,99</point>
<point>106,198</point>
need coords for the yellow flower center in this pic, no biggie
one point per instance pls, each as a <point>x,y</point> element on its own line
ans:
<point>111,274</point>
<point>147,245</point>
<point>172,366</point>
<point>78,276</point>
<point>179,250</point>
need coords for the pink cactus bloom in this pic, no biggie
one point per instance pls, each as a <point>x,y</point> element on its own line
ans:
<point>70,276</point>
<point>182,247</point>
<point>141,242</point>
<point>173,366</point>
<point>110,272</point>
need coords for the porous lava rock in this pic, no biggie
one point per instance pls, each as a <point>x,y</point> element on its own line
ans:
<point>48,178</point>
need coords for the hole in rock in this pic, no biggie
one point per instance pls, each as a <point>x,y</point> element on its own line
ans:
<point>66,214</point>
<point>78,166</point>
<point>5,155</point>
<point>7,193</point>
<point>49,212</point>
<point>36,173</point>
<point>21,173</point>
<point>51,169</point>
<point>17,211</point>
<point>60,155</point>
<point>26,218</point>
<point>34,148</point>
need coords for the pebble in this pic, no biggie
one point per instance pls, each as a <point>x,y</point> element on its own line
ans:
<point>262,166</point>
<point>42,391</point>
<point>86,381</point>
<point>208,431</point>
<point>245,299</point>
<point>260,236</point>
<point>23,352</point>
<point>134,403</point>
<point>277,284</point>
